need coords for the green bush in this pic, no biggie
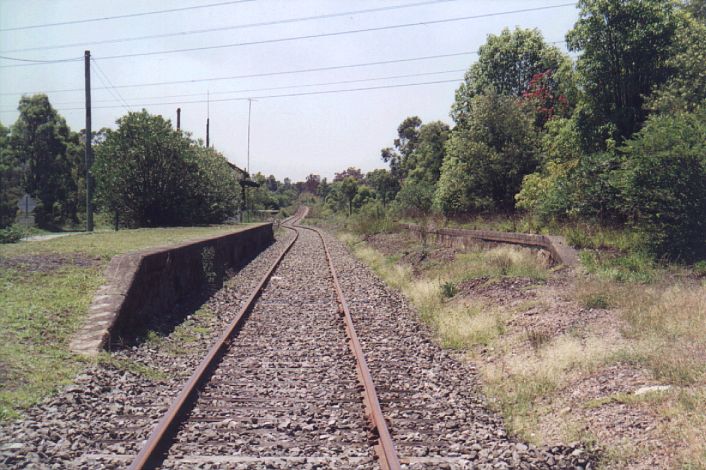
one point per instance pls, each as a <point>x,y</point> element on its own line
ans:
<point>665,185</point>
<point>370,219</point>
<point>11,234</point>
<point>156,176</point>
<point>448,289</point>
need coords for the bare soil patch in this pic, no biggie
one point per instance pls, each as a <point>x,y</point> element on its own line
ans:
<point>45,263</point>
<point>603,405</point>
<point>390,244</point>
<point>595,405</point>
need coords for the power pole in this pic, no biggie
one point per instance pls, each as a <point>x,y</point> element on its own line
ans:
<point>208,116</point>
<point>178,118</point>
<point>250,100</point>
<point>89,150</point>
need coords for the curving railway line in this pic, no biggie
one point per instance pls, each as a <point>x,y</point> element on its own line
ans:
<point>286,384</point>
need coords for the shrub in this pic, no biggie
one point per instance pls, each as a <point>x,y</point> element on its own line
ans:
<point>448,289</point>
<point>154,175</point>
<point>665,185</point>
<point>372,218</point>
<point>11,234</point>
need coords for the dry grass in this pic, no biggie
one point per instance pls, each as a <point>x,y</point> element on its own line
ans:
<point>458,325</point>
<point>661,318</point>
<point>669,325</point>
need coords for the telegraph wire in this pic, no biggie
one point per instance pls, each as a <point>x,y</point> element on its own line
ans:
<point>263,74</point>
<point>129,15</point>
<point>318,35</point>
<point>40,61</point>
<point>112,90</point>
<point>250,90</point>
<point>229,28</point>
<point>286,95</point>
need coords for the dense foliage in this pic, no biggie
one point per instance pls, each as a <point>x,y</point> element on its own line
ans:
<point>153,175</point>
<point>624,46</point>
<point>487,156</point>
<point>615,138</point>
<point>48,155</point>
<point>665,184</point>
<point>10,180</point>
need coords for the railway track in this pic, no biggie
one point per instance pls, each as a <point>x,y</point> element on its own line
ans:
<point>286,384</point>
<point>282,388</point>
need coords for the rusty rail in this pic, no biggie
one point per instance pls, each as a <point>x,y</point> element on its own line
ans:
<point>151,453</point>
<point>385,450</point>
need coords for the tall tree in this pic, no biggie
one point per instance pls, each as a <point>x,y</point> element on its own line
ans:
<point>685,89</point>
<point>423,164</point>
<point>10,180</point>
<point>350,172</point>
<point>384,184</point>
<point>487,157</point>
<point>312,183</point>
<point>624,46</point>
<point>404,145</point>
<point>349,188</point>
<point>143,171</point>
<point>40,140</point>
<point>506,64</point>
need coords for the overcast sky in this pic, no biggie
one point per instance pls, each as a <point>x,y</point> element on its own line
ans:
<point>291,136</point>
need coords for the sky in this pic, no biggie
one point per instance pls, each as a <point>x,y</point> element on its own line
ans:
<point>321,130</point>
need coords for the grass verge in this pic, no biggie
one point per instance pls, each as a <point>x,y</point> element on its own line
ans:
<point>43,302</point>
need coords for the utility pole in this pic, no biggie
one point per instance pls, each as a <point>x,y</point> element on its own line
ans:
<point>178,118</point>
<point>250,100</point>
<point>89,150</point>
<point>208,116</point>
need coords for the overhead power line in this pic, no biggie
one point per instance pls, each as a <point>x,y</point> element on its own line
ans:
<point>111,89</point>
<point>251,90</point>
<point>320,35</point>
<point>41,61</point>
<point>128,15</point>
<point>258,75</point>
<point>229,28</point>
<point>287,95</point>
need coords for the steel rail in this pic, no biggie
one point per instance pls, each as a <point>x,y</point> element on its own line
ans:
<point>385,450</point>
<point>152,453</point>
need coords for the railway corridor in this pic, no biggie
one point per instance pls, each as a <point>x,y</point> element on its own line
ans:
<point>285,389</point>
<point>286,392</point>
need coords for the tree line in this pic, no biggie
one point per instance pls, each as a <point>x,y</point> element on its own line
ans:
<point>616,136</point>
<point>146,173</point>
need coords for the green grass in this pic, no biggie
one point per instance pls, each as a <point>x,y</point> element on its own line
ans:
<point>631,268</point>
<point>41,311</point>
<point>105,245</point>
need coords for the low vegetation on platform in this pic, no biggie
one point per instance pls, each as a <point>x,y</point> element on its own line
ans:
<point>45,290</point>
<point>563,353</point>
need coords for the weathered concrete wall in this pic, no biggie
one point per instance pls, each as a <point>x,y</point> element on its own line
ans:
<point>144,284</point>
<point>556,246</point>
